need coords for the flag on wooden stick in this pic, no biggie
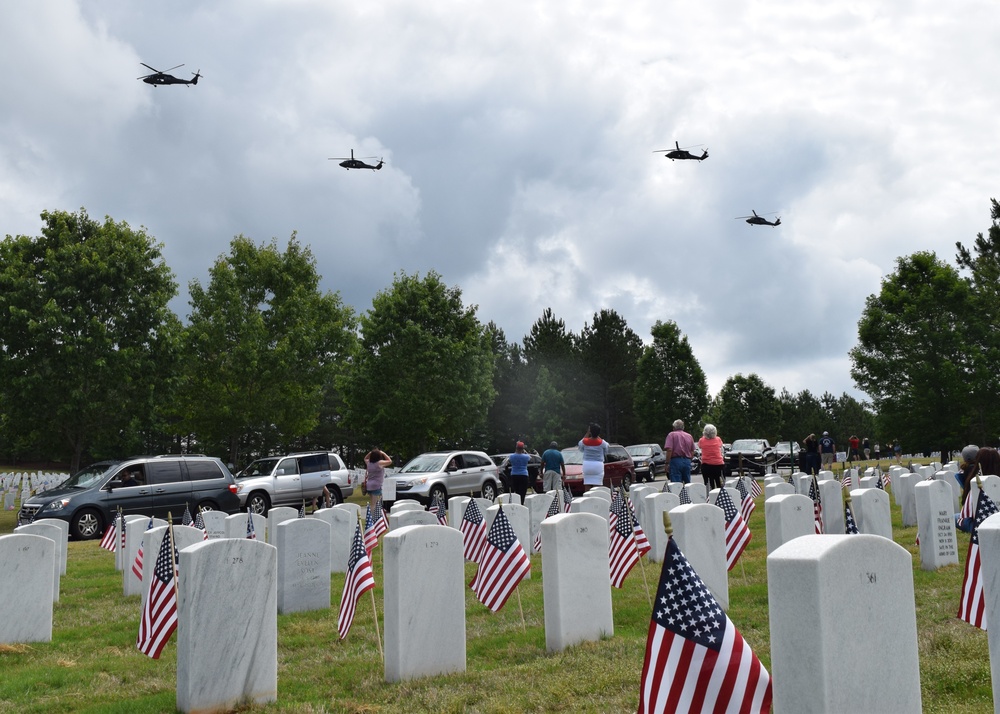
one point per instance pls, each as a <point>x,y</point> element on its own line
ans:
<point>359,580</point>
<point>159,616</point>
<point>697,664</point>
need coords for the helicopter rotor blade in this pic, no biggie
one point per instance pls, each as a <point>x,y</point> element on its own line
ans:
<point>172,68</point>
<point>148,67</point>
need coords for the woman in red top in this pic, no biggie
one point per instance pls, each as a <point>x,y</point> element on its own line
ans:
<point>711,457</point>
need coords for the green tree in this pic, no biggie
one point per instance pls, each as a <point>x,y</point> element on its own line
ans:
<point>550,345</point>
<point>547,414</point>
<point>801,415</point>
<point>506,418</point>
<point>670,384</point>
<point>610,352</point>
<point>912,358</point>
<point>87,341</point>
<point>747,408</point>
<point>422,377</point>
<point>982,409</point>
<point>262,350</point>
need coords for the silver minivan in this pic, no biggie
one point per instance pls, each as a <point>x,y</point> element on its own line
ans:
<point>290,480</point>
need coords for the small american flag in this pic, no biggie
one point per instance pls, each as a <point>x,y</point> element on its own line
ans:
<point>968,508</point>
<point>375,525</point>
<point>137,565</point>
<point>379,519</point>
<point>972,606</point>
<point>641,542</point>
<point>850,525</point>
<point>848,483</point>
<point>359,580</point>
<point>186,519</point>
<point>567,498</point>
<point>553,511</point>
<point>737,533</point>
<point>502,566</point>
<point>755,489</point>
<point>685,496</point>
<point>251,532</point>
<point>159,616</point>
<point>696,660</point>
<point>747,504</point>
<point>438,509</point>
<point>817,506</point>
<point>302,509</point>
<point>108,541</point>
<point>473,531</point>
<point>199,523</point>
<point>883,479</point>
<point>622,551</point>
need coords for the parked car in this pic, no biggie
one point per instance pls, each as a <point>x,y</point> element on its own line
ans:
<point>754,455</point>
<point>781,450</point>
<point>618,469</point>
<point>90,498</point>
<point>445,474</point>
<point>288,480</point>
<point>648,460</point>
<point>503,469</point>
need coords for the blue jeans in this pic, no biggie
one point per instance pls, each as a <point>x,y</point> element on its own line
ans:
<point>680,469</point>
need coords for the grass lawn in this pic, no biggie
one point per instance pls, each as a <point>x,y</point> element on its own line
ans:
<point>92,664</point>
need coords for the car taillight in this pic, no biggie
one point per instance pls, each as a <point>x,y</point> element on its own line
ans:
<point>232,488</point>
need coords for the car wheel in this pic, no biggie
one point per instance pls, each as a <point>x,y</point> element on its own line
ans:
<point>258,503</point>
<point>489,491</point>
<point>438,492</point>
<point>208,506</point>
<point>626,482</point>
<point>86,524</point>
<point>335,495</point>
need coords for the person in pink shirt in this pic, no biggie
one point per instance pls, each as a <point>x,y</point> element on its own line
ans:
<point>711,457</point>
<point>680,448</point>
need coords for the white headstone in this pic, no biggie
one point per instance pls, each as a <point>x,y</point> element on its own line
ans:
<point>276,515</point>
<point>991,485</point>
<point>787,516</point>
<point>54,534</point>
<point>134,534</point>
<point>407,505</point>
<point>868,482</point>
<point>773,479</point>
<point>538,507</point>
<point>424,602</point>
<point>825,475</point>
<point>120,554</point>
<point>355,510</point>
<point>456,509</point>
<point>215,524</point>
<point>576,583</point>
<point>675,487</point>
<point>590,504</point>
<point>519,522</point>
<point>28,564</point>
<point>802,483</point>
<point>697,493</point>
<point>989,551</point>
<point>653,507</point>
<point>601,493</point>
<point>831,496</point>
<point>903,487</point>
<point>733,492</point>
<point>412,517</point>
<point>700,532</point>
<point>935,524</point>
<point>342,525</point>
<point>63,526</point>
<point>235,526</point>
<point>871,511</point>
<point>220,666</point>
<point>508,498</point>
<point>777,489</point>
<point>303,565</point>
<point>819,656</point>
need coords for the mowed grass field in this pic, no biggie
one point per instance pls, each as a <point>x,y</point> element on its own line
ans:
<point>92,664</point>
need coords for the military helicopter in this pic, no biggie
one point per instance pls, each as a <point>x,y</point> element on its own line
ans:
<point>756,220</point>
<point>678,153</point>
<point>161,77</point>
<point>353,163</point>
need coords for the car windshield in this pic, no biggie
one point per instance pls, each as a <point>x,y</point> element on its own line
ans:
<point>88,476</point>
<point>260,467</point>
<point>572,456</point>
<point>782,446</point>
<point>748,445</point>
<point>639,450</point>
<point>424,464</point>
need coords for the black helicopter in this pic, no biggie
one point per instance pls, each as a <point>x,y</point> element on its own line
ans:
<point>353,163</point>
<point>159,77</point>
<point>756,220</point>
<point>679,153</point>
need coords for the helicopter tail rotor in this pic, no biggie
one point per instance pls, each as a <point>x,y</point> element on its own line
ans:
<point>197,76</point>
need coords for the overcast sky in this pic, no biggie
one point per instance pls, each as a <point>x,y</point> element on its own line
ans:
<point>518,139</point>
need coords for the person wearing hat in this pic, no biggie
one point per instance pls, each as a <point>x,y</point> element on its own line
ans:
<point>827,450</point>
<point>553,468</point>
<point>519,471</point>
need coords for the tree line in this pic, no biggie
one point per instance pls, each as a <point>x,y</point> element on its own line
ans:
<point>94,364</point>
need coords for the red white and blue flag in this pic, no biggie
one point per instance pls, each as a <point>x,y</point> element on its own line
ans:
<point>473,531</point>
<point>972,606</point>
<point>502,565</point>
<point>251,531</point>
<point>553,511</point>
<point>817,505</point>
<point>438,508</point>
<point>697,663</point>
<point>108,541</point>
<point>199,523</point>
<point>159,616</point>
<point>850,525</point>
<point>137,565</point>
<point>623,553</point>
<point>737,533</point>
<point>747,503</point>
<point>359,580</point>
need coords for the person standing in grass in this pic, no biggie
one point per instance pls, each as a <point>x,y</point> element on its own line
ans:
<point>827,450</point>
<point>594,449</point>
<point>679,446</point>
<point>711,457</point>
<point>519,471</point>
<point>553,468</point>
<point>375,462</point>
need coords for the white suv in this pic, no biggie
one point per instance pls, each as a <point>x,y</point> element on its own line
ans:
<point>290,480</point>
<point>446,473</point>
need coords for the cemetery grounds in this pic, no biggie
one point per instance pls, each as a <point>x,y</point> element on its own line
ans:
<point>92,664</point>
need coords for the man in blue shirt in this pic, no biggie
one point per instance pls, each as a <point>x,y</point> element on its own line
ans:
<point>827,450</point>
<point>553,468</point>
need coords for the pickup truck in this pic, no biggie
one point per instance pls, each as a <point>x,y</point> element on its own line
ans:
<point>290,480</point>
<point>753,455</point>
